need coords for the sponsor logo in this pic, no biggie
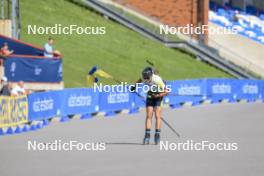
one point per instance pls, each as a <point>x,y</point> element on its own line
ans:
<point>189,90</point>
<point>38,70</point>
<point>221,89</point>
<point>250,89</point>
<point>13,69</point>
<point>118,98</point>
<point>43,105</point>
<point>77,101</point>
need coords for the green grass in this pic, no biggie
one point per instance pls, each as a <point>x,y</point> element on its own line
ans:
<point>121,51</point>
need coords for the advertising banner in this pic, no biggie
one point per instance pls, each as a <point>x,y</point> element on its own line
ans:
<point>44,105</point>
<point>79,101</point>
<point>186,91</point>
<point>249,89</point>
<point>113,98</point>
<point>13,111</point>
<point>33,70</point>
<point>220,89</point>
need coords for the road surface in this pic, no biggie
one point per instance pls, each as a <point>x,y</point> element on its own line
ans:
<point>121,137</point>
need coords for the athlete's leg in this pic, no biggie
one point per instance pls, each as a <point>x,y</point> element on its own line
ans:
<point>158,117</point>
<point>158,124</point>
<point>149,114</point>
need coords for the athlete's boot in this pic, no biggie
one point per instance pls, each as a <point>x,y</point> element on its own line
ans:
<point>147,137</point>
<point>157,137</point>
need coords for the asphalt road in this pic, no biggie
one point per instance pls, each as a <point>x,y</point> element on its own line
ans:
<point>239,124</point>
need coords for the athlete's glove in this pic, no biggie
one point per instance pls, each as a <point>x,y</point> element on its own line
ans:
<point>155,96</point>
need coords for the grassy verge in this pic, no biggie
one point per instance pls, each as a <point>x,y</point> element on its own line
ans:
<point>120,51</point>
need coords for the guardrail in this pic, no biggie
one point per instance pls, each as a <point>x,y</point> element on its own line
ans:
<point>41,107</point>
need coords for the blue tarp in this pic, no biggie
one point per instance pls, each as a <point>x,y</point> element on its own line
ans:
<point>33,70</point>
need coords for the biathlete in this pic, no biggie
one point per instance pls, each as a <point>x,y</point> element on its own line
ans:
<point>154,99</point>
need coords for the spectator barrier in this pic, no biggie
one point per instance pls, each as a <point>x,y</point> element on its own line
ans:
<point>87,102</point>
<point>33,69</point>
<point>28,63</point>
<point>45,105</point>
<point>13,111</point>
<point>193,91</point>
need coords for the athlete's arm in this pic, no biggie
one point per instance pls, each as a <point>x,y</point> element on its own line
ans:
<point>161,94</point>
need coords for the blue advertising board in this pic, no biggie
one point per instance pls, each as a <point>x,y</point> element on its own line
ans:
<point>220,89</point>
<point>249,90</point>
<point>33,70</point>
<point>88,100</point>
<point>44,105</point>
<point>261,82</point>
<point>79,101</point>
<point>114,100</point>
<point>186,91</point>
